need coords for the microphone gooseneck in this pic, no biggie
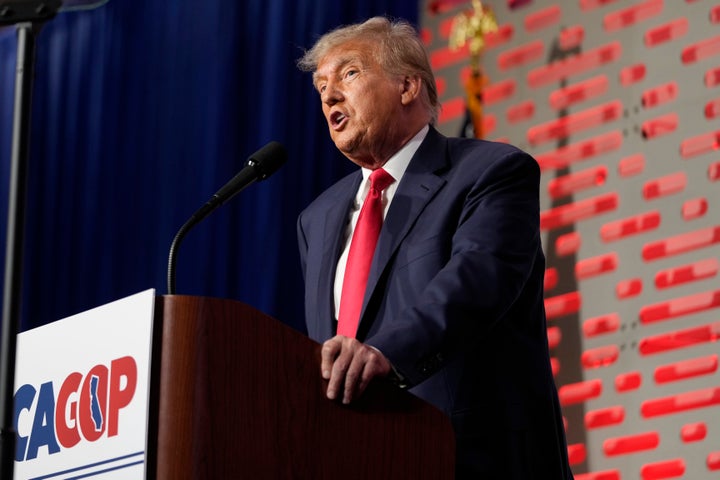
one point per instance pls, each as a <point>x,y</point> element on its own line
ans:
<point>259,166</point>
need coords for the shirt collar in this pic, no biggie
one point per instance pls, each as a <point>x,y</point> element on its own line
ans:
<point>398,163</point>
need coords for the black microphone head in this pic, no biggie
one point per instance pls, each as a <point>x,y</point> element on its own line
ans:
<point>268,159</point>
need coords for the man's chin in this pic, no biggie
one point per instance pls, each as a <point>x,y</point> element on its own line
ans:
<point>351,148</point>
<point>347,147</point>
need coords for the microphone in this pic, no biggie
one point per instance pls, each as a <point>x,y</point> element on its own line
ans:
<point>259,166</point>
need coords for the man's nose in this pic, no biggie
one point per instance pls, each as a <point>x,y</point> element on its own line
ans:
<point>331,95</point>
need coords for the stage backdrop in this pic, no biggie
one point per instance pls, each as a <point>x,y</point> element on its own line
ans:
<point>619,101</point>
<point>143,110</point>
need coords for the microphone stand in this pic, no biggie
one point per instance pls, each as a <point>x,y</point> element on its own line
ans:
<point>28,17</point>
<point>259,166</point>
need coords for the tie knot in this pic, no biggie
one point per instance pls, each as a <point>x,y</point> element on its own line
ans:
<point>380,180</point>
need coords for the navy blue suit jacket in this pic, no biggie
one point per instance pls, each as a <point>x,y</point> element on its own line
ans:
<point>455,299</point>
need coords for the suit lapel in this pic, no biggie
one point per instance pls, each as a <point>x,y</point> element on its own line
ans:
<point>418,186</point>
<point>333,231</point>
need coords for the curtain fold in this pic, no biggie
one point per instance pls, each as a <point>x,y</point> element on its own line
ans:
<point>141,111</point>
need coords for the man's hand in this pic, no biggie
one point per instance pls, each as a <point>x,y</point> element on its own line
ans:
<point>350,365</point>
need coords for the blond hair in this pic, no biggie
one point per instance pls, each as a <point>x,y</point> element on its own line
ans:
<point>400,53</point>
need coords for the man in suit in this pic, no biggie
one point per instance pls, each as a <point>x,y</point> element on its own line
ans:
<point>452,306</point>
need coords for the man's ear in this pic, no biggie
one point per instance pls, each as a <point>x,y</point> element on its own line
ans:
<point>411,88</point>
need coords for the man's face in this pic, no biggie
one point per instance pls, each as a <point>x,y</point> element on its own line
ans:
<point>362,104</point>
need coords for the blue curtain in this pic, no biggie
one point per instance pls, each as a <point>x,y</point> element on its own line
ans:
<point>141,111</point>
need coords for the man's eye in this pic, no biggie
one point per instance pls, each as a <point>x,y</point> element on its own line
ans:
<point>351,73</point>
<point>321,88</point>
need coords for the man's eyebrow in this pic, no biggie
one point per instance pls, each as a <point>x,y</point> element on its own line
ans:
<point>339,65</point>
<point>317,77</point>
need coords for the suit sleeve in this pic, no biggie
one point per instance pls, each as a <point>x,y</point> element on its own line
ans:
<point>492,264</point>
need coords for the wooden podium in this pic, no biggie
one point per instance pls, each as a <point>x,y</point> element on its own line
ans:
<point>236,394</point>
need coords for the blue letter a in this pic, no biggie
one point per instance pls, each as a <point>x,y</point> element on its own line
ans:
<point>43,430</point>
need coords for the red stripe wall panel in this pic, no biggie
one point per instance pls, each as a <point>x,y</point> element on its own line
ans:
<point>574,123</point>
<point>631,287</point>
<point>712,108</point>
<point>693,432</point>
<point>663,469</point>
<point>580,392</point>
<point>600,356</point>
<point>712,77</point>
<point>632,74</point>
<point>674,276</point>
<point>697,399</point>
<point>521,112</point>
<point>567,244</point>
<point>700,144</point>
<point>577,211</point>
<point>629,16</point>
<point>562,305</point>
<point>680,339</point>
<point>667,32</point>
<point>605,417</point>
<point>574,182</point>
<point>680,306</point>
<point>554,335</point>
<point>602,475</point>
<point>701,50</point>
<point>551,278</point>
<point>685,369</point>
<point>587,5</point>
<point>658,126</point>
<point>601,264</point>
<point>660,94</point>
<point>499,91</point>
<point>713,461</point>
<point>576,453</point>
<point>571,37</point>
<point>631,443</point>
<point>663,186</point>
<point>582,63</point>
<point>715,14</point>
<point>522,55</point>
<point>694,208</point>
<point>601,325</point>
<point>579,92</point>
<point>619,229</point>
<point>631,165</point>
<point>580,151</point>
<point>714,171</point>
<point>543,18</point>
<point>682,243</point>
<point>628,381</point>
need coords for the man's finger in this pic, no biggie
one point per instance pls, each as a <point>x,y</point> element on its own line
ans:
<point>367,374</point>
<point>353,376</point>
<point>376,365</point>
<point>328,354</point>
<point>338,370</point>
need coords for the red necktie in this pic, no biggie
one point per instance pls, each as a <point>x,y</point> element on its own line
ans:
<point>362,248</point>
